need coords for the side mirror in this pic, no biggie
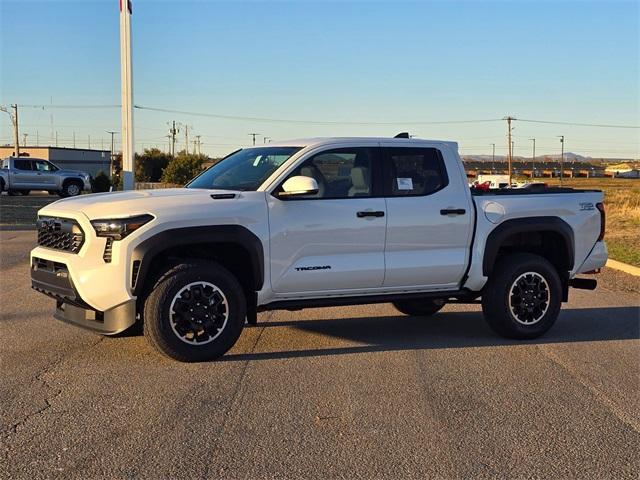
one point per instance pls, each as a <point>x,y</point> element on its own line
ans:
<point>299,185</point>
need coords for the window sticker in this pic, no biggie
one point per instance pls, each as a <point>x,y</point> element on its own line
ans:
<point>405,183</point>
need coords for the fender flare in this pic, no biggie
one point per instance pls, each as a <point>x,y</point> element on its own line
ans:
<point>148,249</point>
<point>526,225</point>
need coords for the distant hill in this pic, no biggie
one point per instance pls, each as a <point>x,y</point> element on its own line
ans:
<point>568,157</point>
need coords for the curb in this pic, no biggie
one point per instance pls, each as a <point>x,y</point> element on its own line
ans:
<point>623,267</point>
<point>9,227</point>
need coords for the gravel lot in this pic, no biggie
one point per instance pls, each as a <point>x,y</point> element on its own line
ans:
<point>358,392</point>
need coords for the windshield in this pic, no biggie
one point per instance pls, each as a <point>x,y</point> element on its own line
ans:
<point>245,169</point>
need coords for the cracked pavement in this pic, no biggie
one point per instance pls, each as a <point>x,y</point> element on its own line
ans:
<point>353,392</point>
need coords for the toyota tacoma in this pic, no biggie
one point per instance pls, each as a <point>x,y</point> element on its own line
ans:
<point>311,223</point>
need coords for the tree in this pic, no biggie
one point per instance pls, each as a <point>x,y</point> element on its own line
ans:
<point>183,168</point>
<point>150,164</point>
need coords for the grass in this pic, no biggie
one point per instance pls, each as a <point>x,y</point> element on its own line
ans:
<point>622,205</point>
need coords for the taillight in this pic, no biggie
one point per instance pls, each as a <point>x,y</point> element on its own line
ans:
<point>600,207</point>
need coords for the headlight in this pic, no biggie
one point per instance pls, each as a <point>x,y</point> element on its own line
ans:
<point>119,228</point>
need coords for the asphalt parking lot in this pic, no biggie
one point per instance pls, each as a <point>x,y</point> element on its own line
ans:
<point>357,392</point>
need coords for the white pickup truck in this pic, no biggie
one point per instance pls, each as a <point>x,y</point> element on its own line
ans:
<point>309,223</point>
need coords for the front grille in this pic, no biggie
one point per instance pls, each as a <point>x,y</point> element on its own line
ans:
<point>60,234</point>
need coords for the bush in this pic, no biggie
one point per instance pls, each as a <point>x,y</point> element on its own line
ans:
<point>183,168</point>
<point>100,183</point>
<point>150,164</point>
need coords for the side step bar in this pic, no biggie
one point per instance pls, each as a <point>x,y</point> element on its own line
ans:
<point>583,283</point>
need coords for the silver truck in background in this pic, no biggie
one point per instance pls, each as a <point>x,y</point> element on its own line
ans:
<point>18,176</point>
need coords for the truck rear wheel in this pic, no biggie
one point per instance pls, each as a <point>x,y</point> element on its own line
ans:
<point>195,312</point>
<point>522,298</point>
<point>422,307</point>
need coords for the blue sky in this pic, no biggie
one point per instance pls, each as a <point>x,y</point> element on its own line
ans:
<point>330,61</point>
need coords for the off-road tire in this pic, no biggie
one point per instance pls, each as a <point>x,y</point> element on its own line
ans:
<point>157,305</point>
<point>422,307</point>
<point>64,193</point>
<point>500,291</point>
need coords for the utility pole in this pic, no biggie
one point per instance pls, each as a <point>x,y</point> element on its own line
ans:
<point>265,139</point>
<point>126,78</point>
<point>533,159</point>
<point>493,157</point>
<point>24,139</point>
<point>14,121</point>
<point>197,143</point>
<point>112,133</point>
<point>561,137</point>
<point>186,139</point>
<point>172,134</point>
<point>510,144</point>
<point>254,135</point>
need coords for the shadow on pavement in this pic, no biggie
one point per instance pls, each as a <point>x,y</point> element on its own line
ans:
<point>450,330</point>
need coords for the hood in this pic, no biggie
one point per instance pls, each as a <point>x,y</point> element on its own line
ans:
<point>131,203</point>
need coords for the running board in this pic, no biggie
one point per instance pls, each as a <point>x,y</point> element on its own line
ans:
<point>583,283</point>
<point>459,296</point>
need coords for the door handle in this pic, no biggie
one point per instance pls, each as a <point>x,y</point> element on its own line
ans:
<point>453,211</point>
<point>370,214</point>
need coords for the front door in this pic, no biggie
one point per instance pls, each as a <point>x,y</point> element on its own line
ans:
<point>429,221</point>
<point>45,174</point>
<point>332,240</point>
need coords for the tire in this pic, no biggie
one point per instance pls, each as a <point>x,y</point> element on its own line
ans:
<point>13,193</point>
<point>71,188</point>
<point>24,192</point>
<point>422,307</point>
<point>1,185</point>
<point>522,298</point>
<point>173,334</point>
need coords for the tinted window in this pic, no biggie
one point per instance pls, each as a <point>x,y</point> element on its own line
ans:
<point>245,169</point>
<point>414,171</point>
<point>340,173</point>
<point>22,164</point>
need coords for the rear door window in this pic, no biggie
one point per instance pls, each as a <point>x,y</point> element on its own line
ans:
<point>22,164</point>
<point>414,171</point>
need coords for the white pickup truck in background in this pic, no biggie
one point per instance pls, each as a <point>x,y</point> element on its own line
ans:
<point>316,222</point>
<point>18,176</point>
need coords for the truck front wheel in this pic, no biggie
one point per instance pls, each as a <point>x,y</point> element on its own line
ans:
<point>422,307</point>
<point>522,297</point>
<point>195,312</point>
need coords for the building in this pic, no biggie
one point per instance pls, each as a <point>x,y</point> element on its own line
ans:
<point>623,170</point>
<point>83,159</point>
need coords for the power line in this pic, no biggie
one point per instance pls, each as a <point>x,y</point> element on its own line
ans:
<point>575,124</point>
<point>307,122</point>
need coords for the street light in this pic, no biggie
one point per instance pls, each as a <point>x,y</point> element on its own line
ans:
<point>561,137</point>
<point>493,157</point>
<point>533,159</point>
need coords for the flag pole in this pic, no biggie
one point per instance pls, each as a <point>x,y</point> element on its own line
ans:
<point>127,95</point>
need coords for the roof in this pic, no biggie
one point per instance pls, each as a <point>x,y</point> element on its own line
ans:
<point>319,141</point>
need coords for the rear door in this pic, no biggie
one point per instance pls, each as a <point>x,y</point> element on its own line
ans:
<point>333,240</point>
<point>22,174</point>
<point>429,224</point>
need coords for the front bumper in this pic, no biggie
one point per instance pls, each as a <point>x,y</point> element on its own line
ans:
<point>53,279</point>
